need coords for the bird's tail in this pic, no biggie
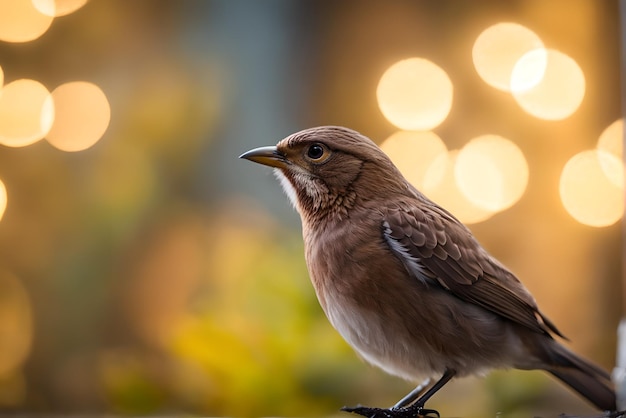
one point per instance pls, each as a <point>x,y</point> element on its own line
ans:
<point>584,377</point>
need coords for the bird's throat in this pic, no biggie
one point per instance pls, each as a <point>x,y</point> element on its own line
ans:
<point>287,187</point>
<point>314,201</point>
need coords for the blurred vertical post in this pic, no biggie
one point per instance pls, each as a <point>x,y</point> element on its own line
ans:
<point>619,372</point>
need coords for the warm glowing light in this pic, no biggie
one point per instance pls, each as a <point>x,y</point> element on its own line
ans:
<point>529,71</point>
<point>20,21</point>
<point>26,113</point>
<point>588,194</point>
<point>56,8</point>
<point>560,91</point>
<point>16,325</point>
<point>612,138</point>
<point>1,77</point>
<point>498,48</point>
<point>3,199</point>
<point>82,115</point>
<point>491,172</point>
<point>413,152</point>
<point>415,94</point>
<point>440,185</point>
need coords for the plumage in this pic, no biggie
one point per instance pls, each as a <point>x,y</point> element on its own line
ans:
<point>404,282</point>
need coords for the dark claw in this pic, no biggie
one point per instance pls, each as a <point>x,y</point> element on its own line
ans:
<point>423,412</point>
<point>412,411</point>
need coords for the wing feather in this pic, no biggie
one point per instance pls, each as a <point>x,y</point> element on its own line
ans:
<point>437,249</point>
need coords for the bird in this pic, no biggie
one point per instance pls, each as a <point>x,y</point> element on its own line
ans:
<point>405,283</point>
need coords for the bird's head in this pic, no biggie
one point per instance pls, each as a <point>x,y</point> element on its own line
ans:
<point>327,170</point>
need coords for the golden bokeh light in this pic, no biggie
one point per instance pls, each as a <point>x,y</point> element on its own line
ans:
<point>529,71</point>
<point>82,115</point>
<point>612,141</point>
<point>415,94</point>
<point>612,138</point>
<point>491,172</point>
<point>57,8</point>
<point>16,324</point>
<point>588,194</point>
<point>413,152</point>
<point>1,77</point>
<point>20,21</point>
<point>26,113</point>
<point>559,93</point>
<point>498,48</point>
<point>3,199</point>
<point>440,185</point>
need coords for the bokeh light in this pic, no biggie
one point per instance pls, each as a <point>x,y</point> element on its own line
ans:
<point>20,21</point>
<point>413,152</point>
<point>612,141</point>
<point>3,199</point>
<point>1,77</point>
<point>415,94</point>
<point>529,71</point>
<point>441,186</point>
<point>82,115</point>
<point>16,325</point>
<point>560,91</point>
<point>26,113</point>
<point>498,48</point>
<point>588,194</point>
<point>612,138</point>
<point>57,8</point>
<point>491,172</point>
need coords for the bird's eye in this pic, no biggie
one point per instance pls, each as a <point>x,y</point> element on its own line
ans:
<point>317,152</point>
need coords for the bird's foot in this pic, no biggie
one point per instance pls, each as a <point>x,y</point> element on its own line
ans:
<point>413,411</point>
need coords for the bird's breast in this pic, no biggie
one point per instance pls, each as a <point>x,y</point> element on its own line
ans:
<point>362,288</point>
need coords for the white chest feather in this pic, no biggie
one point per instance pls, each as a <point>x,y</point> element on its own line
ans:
<point>287,187</point>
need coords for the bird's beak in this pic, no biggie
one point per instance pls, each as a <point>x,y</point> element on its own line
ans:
<point>267,156</point>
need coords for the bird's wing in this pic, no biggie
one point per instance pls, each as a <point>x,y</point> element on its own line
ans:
<point>437,249</point>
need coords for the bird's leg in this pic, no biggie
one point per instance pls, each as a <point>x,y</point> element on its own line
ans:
<point>416,409</point>
<point>418,406</point>
<point>413,395</point>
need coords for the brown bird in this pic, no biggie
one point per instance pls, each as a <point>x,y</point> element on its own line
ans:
<point>404,282</point>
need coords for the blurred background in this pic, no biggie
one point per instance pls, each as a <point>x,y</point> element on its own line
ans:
<point>145,270</point>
